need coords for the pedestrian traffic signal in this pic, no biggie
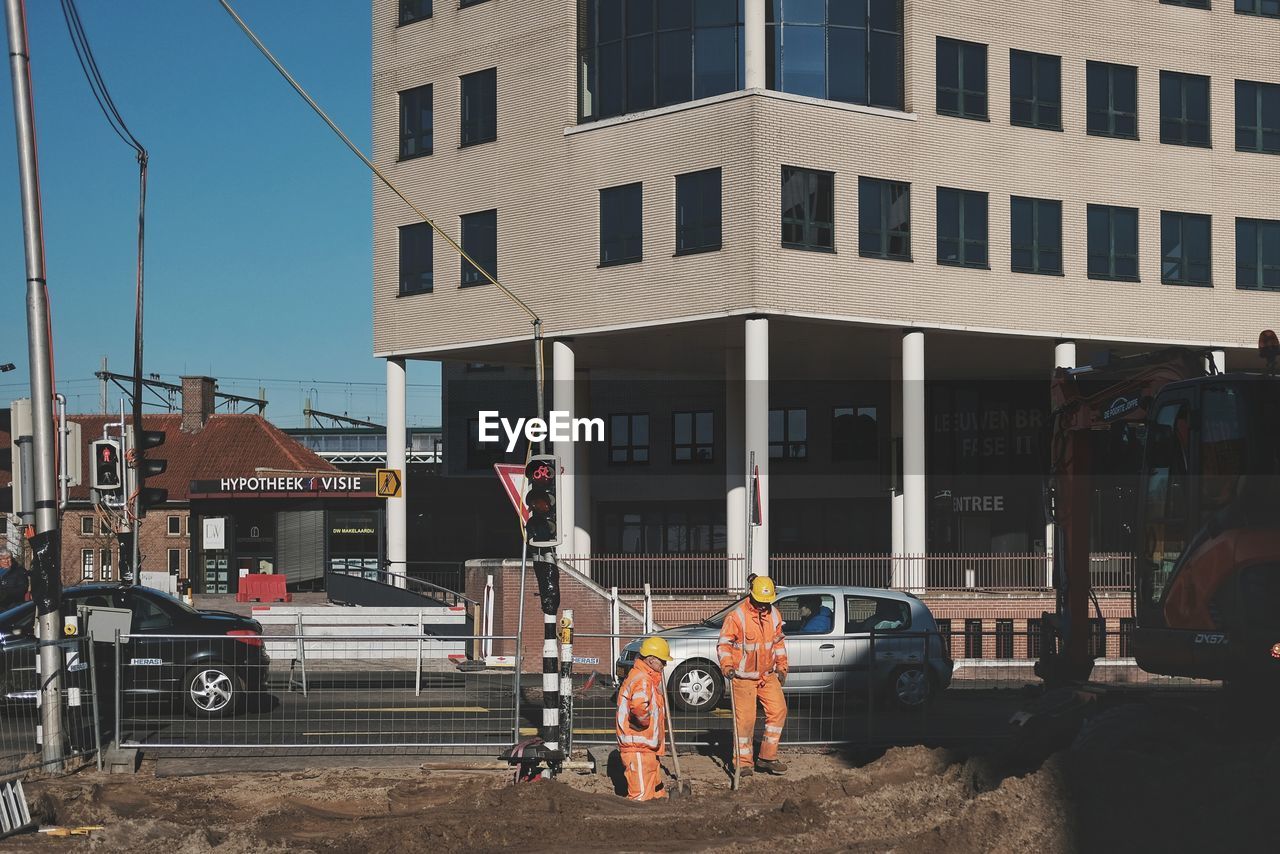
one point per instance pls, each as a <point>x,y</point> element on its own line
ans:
<point>540,498</point>
<point>106,465</point>
<point>148,466</point>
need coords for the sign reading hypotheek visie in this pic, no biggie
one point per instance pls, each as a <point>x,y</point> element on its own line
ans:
<point>285,484</point>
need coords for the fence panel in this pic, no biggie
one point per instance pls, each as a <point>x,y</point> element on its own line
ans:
<point>84,725</point>
<point>670,573</point>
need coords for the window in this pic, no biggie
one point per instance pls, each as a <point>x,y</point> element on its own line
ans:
<point>1098,637</point>
<point>884,219</point>
<point>944,631</point>
<point>973,638</point>
<point>417,274</point>
<point>1190,4</point>
<point>638,55</point>
<point>414,10</point>
<point>1112,96</point>
<point>1184,109</point>
<point>479,107</point>
<point>1036,242</point>
<point>788,434</point>
<point>1126,637</point>
<point>1258,116</point>
<point>1263,8</point>
<point>1258,254</point>
<point>836,49</point>
<point>175,561</point>
<point>621,225</point>
<point>462,4</point>
<point>105,554</point>
<point>1033,637</point>
<point>692,437</point>
<point>1004,638</point>
<point>855,434</point>
<point>1167,494</point>
<point>86,564</point>
<point>175,525</point>
<point>1113,242</point>
<point>1184,249</point>
<point>86,525</point>
<point>808,208</point>
<point>480,240</point>
<point>416,123</point>
<point>962,79</point>
<point>147,615</point>
<point>1035,90</point>
<point>962,228</point>
<point>807,615</point>
<point>867,614</point>
<point>698,212</point>
<point>629,438</point>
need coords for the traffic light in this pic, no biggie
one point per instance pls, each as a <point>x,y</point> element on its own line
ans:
<point>107,474</point>
<point>540,498</point>
<point>147,466</point>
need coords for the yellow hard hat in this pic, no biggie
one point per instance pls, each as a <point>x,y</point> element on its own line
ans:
<point>763,589</point>
<point>655,646</point>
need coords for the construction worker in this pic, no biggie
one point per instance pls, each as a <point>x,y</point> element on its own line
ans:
<point>753,659</point>
<point>642,721</point>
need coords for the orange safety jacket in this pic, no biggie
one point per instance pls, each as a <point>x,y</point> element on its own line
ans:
<point>642,711</point>
<point>752,643</point>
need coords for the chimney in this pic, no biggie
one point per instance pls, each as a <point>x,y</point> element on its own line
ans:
<point>197,403</point>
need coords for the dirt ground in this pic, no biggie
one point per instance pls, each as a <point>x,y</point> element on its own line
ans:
<point>1206,795</point>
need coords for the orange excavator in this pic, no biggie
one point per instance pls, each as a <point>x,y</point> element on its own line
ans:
<point>1206,449</point>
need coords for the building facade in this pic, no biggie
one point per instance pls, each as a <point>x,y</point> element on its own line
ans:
<point>838,246</point>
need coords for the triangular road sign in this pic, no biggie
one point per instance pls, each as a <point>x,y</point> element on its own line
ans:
<point>512,477</point>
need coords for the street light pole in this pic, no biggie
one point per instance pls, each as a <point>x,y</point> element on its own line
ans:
<point>46,585</point>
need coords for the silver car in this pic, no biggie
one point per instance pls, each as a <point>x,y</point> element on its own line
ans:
<point>831,633</point>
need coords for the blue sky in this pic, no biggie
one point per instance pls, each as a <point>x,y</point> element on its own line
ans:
<point>258,262</point>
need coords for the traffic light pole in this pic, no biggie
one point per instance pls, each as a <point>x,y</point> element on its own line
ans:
<point>46,584</point>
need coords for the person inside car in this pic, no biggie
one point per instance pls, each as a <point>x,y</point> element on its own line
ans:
<point>887,616</point>
<point>815,618</point>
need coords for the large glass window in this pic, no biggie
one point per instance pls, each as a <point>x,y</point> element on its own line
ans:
<point>629,438</point>
<point>416,122</point>
<point>884,219</point>
<point>416,263</point>
<point>1035,90</point>
<point>1264,8</point>
<point>414,10</point>
<point>692,437</point>
<point>621,226</point>
<point>480,240</point>
<point>1190,4</point>
<point>698,212</point>
<point>962,227</point>
<point>1036,236</point>
<point>808,208</point>
<point>842,50</point>
<point>635,55</point>
<point>1258,254</point>
<point>479,107</point>
<point>1184,249</point>
<point>788,434</point>
<point>1112,99</point>
<point>855,434</point>
<point>1258,116</point>
<point>1184,109</point>
<point>962,78</point>
<point>1113,242</point>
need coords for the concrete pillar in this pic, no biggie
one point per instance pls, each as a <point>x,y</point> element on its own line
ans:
<point>1217,359</point>
<point>397,508</point>
<point>564,398</point>
<point>897,546</point>
<point>914,499</point>
<point>735,466</point>
<point>1064,356</point>
<point>582,478</point>
<point>753,44</point>
<point>756,430</point>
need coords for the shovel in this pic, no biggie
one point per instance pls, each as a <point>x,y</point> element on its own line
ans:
<point>733,748</point>
<point>682,785</point>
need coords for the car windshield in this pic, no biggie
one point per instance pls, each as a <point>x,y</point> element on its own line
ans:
<point>171,600</point>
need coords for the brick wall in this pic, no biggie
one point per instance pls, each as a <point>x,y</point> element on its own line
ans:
<point>153,547</point>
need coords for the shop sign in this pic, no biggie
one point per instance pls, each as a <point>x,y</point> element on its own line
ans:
<point>335,484</point>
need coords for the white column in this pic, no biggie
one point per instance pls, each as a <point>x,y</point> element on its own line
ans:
<point>914,526</point>
<point>397,508</point>
<point>1064,356</point>
<point>756,430</point>
<point>1218,359</point>
<point>582,478</point>
<point>753,42</point>
<point>564,399</point>
<point>735,466</point>
<point>897,546</point>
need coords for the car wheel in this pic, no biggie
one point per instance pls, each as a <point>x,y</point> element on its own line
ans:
<point>212,690</point>
<point>910,687</point>
<point>696,686</point>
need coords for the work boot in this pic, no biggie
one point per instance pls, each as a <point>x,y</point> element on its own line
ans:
<point>770,766</point>
<point>745,771</point>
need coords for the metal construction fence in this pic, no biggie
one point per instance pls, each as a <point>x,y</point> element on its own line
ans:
<point>717,573</point>
<point>84,723</point>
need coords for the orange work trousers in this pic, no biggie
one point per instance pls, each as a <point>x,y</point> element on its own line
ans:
<point>769,692</point>
<point>644,775</point>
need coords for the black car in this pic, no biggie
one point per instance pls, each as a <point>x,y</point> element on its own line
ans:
<point>214,672</point>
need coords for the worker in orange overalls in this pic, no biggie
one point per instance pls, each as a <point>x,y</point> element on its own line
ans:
<point>642,721</point>
<point>753,659</point>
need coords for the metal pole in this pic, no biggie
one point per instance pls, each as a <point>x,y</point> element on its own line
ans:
<point>40,356</point>
<point>537,374</point>
<point>524,562</point>
<point>97,698</point>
